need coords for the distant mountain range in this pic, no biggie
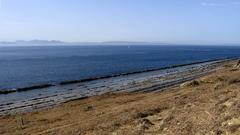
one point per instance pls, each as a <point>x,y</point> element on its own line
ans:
<point>32,42</point>
<point>61,43</point>
<point>56,42</point>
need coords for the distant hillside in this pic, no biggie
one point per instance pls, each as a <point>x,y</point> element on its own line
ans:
<point>33,42</point>
<point>56,42</point>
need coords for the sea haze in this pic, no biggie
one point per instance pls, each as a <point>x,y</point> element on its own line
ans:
<point>29,66</point>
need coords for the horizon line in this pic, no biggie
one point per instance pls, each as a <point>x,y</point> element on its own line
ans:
<point>117,42</point>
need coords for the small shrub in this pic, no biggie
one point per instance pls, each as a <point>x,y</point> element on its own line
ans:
<point>88,108</point>
<point>234,80</point>
<point>190,83</point>
<point>218,86</point>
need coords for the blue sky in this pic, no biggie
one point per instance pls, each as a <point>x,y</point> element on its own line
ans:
<point>174,21</point>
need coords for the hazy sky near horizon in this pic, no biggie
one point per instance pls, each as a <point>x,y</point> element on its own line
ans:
<point>176,21</point>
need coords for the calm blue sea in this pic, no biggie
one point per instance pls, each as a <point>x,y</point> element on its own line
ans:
<point>29,66</point>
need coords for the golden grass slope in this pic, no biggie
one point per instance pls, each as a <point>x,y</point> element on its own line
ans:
<point>209,105</point>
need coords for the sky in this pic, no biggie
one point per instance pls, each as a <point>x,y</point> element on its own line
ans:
<point>172,21</point>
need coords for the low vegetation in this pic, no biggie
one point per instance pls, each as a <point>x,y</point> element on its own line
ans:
<point>208,105</point>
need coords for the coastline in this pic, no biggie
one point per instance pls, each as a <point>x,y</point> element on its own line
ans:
<point>150,81</point>
<point>206,105</point>
<point>47,85</point>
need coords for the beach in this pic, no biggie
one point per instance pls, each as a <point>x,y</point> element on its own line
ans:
<point>205,104</point>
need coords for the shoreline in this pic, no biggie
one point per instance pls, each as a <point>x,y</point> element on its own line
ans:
<point>141,82</point>
<point>47,85</point>
<point>208,104</point>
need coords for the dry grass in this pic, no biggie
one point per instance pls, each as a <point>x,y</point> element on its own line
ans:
<point>210,106</point>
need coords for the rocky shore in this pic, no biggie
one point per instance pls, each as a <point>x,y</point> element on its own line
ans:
<point>207,104</point>
<point>50,96</point>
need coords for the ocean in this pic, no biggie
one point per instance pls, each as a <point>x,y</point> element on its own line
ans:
<point>27,66</point>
